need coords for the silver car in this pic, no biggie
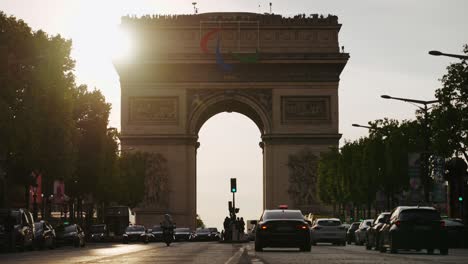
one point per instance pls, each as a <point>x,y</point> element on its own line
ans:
<point>328,230</point>
<point>360,233</point>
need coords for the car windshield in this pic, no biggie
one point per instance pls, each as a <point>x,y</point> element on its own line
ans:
<point>329,222</point>
<point>213,229</point>
<point>182,230</point>
<point>203,230</point>
<point>98,229</point>
<point>134,229</point>
<point>419,214</point>
<point>156,229</point>
<point>297,215</point>
<point>69,229</point>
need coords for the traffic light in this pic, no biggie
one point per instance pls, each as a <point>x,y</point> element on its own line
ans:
<point>233,185</point>
<point>230,206</point>
<point>460,199</point>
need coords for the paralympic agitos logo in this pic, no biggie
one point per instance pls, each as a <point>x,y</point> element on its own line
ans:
<point>248,58</point>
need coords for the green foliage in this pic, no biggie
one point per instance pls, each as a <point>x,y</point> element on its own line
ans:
<point>200,223</point>
<point>449,118</point>
<point>47,122</point>
<point>355,173</point>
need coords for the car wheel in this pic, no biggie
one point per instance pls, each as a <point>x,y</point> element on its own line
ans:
<point>444,251</point>
<point>430,251</point>
<point>258,246</point>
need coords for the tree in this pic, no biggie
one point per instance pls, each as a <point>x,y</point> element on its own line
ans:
<point>449,117</point>
<point>200,223</point>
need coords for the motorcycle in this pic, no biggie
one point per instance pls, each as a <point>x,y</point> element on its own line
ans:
<point>168,234</point>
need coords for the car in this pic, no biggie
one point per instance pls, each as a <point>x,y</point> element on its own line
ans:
<point>18,225</point>
<point>414,227</point>
<point>135,233</point>
<point>156,233</point>
<point>99,233</point>
<point>360,233</point>
<point>45,235</point>
<point>457,235</point>
<point>282,228</point>
<point>328,230</point>
<point>205,234</point>
<point>182,234</point>
<point>70,235</point>
<point>350,237</point>
<point>372,234</point>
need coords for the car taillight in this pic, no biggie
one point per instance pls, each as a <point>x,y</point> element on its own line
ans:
<point>263,227</point>
<point>442,224</point>
<point>397,223</point>
<point>302,227</point>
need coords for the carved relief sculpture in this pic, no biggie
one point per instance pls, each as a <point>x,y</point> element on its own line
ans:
<point>156,182</point>
<point>154,110</point>
<point>303,178</point>
<point>305,109</point>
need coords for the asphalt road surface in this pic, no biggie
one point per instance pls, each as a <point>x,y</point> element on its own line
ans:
<point>213,252</point>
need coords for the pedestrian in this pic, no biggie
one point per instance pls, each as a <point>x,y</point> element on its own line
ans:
<point>242,225</point>
<point>227,228</point>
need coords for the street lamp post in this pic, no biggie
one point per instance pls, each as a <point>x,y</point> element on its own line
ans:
<point>438,53</point>
<point>425,110</point>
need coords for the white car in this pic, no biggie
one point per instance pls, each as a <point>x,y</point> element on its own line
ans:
<point>328,230</point>
<point>360,233</point>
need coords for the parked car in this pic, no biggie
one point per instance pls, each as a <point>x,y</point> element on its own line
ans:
<point>45,235</point>
<point>328,230</point>
<point>135,233</point>
<point>182,234</point>
<point>282,228</point>
<point>372,235</point>
<point>360,233</point>
<point>99,233</point>
<point>156,234</point>
<point>457,234</point>
<point>205,234</point>
<point>414,227</point>
<point>16,225</point>
<point>350,238</point>
<point>70,235</point>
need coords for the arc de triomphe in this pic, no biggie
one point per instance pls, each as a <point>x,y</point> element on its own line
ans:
<point>283,73</point>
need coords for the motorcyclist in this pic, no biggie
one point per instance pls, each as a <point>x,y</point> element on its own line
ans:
<point>168,226</point>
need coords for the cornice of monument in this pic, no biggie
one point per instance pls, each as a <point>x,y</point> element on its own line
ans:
<point>263,19</point>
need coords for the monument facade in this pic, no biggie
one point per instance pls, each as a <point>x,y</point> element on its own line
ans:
<point>283,73</point>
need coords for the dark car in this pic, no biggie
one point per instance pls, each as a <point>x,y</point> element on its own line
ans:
<point>70,235</point>
<point>156,233</point>
<point>372,235</point>
<point>457,234</point>
<point>99,233</point>
<point>412,227</point>
<point>182,234</point>
<point>135,233</point>
<point>350,232</point>
<point>45,235</point>
<point>16,229</point>
<point>205,234</point>
<point>282,228</point>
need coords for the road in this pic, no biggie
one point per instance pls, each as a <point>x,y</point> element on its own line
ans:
<point>212,252</point>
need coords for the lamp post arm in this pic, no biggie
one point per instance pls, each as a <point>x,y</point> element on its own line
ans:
<point>461,57</point>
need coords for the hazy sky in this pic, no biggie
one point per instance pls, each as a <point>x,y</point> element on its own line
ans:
<point>388,42</point>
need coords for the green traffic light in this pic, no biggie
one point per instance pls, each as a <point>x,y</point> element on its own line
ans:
<point>460,199</point>
<point>233,190</point>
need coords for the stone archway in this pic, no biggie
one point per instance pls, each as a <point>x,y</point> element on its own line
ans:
<point>289,89</point>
